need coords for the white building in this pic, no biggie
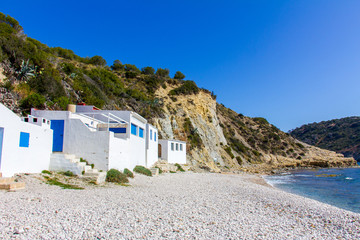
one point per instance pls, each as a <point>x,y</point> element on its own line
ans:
<point>25,144</point>
<point>106,138</point>
<point>173,151</point>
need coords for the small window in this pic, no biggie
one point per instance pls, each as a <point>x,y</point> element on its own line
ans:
<point>177,147</point>
<point>150,134</point>
<point>172,146</point>
<point>24,139</point>
<point>35,120</point>
<point>141,132</point>
<point>117,130</point>
<point>44,121</point>
<point>155,136</point>
<point>26,120</point>
<point>133,129</point>
<point>181,147</point>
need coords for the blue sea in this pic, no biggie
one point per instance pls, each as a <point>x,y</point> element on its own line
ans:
<point>338,187</point>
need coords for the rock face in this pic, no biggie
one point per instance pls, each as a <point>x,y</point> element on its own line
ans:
<point>221,140</point>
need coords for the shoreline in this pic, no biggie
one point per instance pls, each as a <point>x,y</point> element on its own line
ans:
<point>182,205</point>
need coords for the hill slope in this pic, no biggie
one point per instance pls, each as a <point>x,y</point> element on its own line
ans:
<point>218,138</point>
<point>340,135</point>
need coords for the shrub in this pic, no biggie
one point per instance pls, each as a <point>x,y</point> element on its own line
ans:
<point>187,88</point>
<point>46,172</point>
<point>97,60</point>
<point>117,65</point>
<point>130,74</point>
<point>128,173</point>
<point>148,71</point>
<point>142,170</point>
<point>160,170</point>
<point>160,72</point>
<point>179,75</point>
<point>260,120</point>
<point>68,173</point>
<point>179,168</point>
<point>34,100</point>
<point>300,145</point>
<point>239,160</point>
<point>228,150</point>
<point>114,175</point>
<point>131,68</point>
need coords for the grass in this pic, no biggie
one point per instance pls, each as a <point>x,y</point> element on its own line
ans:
<point>172,172</point>
<point>143,170</point>
<point>54,181</point>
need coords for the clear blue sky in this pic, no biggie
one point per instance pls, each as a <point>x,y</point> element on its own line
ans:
<point>292,62</point>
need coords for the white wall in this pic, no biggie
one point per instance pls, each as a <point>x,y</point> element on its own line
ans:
<point>151,146</point>
<point>137,144</point>
<point>15,159</point>
<point>119,154</point>
<point>173,156</point>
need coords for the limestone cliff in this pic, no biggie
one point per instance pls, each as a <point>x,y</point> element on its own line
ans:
<point>222,140</point>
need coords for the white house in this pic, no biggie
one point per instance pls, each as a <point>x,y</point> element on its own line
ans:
<point>173,151</point>
<point>25,143</point>
<point>106,138</point>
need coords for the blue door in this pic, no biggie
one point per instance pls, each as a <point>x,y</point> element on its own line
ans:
<point>58,138</point>
<point>1,142</point>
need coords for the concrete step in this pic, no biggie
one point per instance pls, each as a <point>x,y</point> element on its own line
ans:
<point>75,160</point>
<point>87,168</point>
<point>98,177</point>
<point>12,186</point>
<point>6,180</point>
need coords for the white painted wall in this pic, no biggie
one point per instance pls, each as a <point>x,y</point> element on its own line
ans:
<point>119,157</point>
<point>151,145</point>
<point>175,155</point>
<point>15,159</point>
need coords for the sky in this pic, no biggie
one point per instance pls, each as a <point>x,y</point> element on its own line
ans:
<point>291,62</point>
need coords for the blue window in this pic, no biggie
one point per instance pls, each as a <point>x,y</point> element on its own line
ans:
<point>181,147</point>
<point>117,130</point>
<point>150,134</point>
<point>24,139</point>
<point>177,147</point>
<point>141,132</point>
<point>155,136</point>
<point>172,146</point>
<point>133,129</point>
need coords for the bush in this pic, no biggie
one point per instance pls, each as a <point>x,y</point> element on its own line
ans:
<point>179,75</point>
<point>46,172</point>
<point>187,88</point>
<point>34,100</point>
<point>116,176</point>
<point>228,150</point>
<point>179,168</point>
<point>260,120</point>
<point>68,173</point>
<point>131,68</point>
<point>117,65</point>
<point>148,71</point>
<point>97,60</point>
<point>128,173</point>
<point>142,170</point>
<point>239,160</point>
<point>162,72</point>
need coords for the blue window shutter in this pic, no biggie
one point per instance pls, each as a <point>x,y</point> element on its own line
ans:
<point>133,129</point>
<point>141,132</point>
<point>24,139</point>
<point>150,134</point>
<point>155,136</point>
<point>117,130</point>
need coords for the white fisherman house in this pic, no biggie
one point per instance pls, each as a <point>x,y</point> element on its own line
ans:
<point>25,143</point>
<point>173,151</point>
<point>106,138</point>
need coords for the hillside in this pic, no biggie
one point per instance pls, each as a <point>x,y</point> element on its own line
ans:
<point>219,139</point>
<point>340,135</point>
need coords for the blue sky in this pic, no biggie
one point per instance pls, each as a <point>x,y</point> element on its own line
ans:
<point>292,62</point>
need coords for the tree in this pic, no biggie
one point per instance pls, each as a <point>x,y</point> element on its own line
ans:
<point>117,65</point>
<point>148,71</point>
<point>162,72</point>
<point>179,75</point>
<point>131,68</point>
<point>97,60</point>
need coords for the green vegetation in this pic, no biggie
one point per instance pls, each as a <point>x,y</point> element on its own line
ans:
<point>192,134</point>
<point>34,100</point>
<point>55,181</point>
<point>143,170</point>
<point>160,170</point>
<point>228,150</point>
<point>340,135</point>
<point>68,173</point>
<point>128,173</point>
<point>187,88</point>
<point>179,75</point>
<point>116,176</point>
<point>179,167</point>
<point>46,172</point>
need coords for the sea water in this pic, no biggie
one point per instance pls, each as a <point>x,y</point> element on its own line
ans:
<point>339,187</point>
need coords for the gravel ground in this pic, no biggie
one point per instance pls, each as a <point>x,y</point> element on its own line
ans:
<point>175,206</point>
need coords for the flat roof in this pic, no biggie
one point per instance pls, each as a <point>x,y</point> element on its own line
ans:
<point>172,140</point>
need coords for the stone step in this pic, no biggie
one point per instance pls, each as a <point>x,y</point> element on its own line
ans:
<point>93,170</point>
<point>6,180</point>
<point>87,168</point>
<point>154,171</point>
<point>98,177</point>
<point>75,160</point>
<point>82,164</point>
<point>12,186</point>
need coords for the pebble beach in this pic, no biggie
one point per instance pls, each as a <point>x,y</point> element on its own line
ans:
<point>172,206</point>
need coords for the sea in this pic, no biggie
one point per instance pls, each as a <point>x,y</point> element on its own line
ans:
<point>339,187</point>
